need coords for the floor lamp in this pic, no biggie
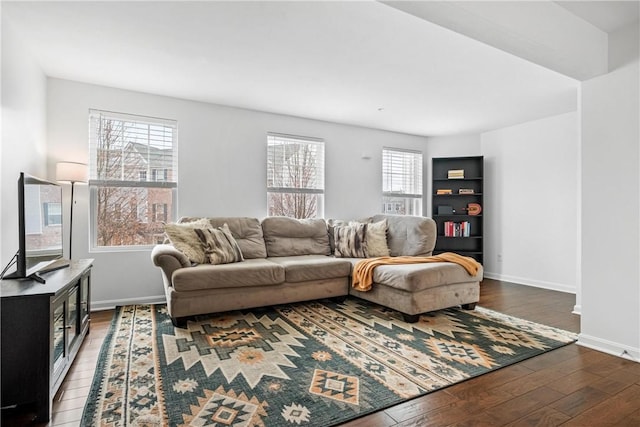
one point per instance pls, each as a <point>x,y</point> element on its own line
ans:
<point>71,172</point>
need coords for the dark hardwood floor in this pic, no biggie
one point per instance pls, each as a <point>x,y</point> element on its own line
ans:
<point>571,386</point>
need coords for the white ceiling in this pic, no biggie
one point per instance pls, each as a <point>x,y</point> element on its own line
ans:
<point>361,63</point>
<point>607,15</point>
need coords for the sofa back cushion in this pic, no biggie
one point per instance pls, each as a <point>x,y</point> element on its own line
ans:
<point>409,235</point>
<point>289,236</point>
<point>246,231</point>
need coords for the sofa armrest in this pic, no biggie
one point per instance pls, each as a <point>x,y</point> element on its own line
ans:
<point>169,259</point>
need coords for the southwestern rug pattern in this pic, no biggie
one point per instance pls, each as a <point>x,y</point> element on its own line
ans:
<point>315,364</point>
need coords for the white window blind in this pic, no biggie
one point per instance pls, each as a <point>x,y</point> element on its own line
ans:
<point>401,181</point>
<point>125,147</point>
<point>295,176</point>
<point>133,164</point>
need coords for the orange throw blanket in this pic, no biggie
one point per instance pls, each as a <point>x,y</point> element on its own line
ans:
<point>362,277</point>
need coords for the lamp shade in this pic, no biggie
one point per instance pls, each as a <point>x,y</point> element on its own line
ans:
<point>71,172</point>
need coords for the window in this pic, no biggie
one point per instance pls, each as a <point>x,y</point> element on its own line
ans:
<point>160,212</point>
<point>52,213</point>
<point>125,151</point>
<point>401,182</point>
<point>159,174</point>
<point>295,176</point>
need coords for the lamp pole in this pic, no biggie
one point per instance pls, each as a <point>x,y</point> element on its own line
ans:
<point>73,183</point>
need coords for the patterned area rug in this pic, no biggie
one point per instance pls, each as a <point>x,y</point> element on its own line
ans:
<point>315,364</point>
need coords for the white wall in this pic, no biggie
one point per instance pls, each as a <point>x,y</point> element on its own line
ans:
<point>611,204</point>
<point>222,157</point>
<point>23,132</point>
<point>531,202</point>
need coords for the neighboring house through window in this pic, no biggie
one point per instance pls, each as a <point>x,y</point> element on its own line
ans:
<point>401,182</point>
<point>295,176</point>
<point>125,151</point>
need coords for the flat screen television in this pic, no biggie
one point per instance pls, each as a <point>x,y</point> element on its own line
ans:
<point>40,228</point>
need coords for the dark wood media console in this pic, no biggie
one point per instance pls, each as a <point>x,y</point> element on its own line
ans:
<point>43,326</point>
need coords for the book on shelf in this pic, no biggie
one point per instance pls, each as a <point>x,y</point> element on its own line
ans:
<point>441,191</point>
<point>455,173</point>
<point>457,229</point>
<point>466,191</point>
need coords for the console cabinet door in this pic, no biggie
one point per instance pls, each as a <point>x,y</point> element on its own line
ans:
<point>59,350</point>
<point>72,324</point>
<point>85,300</point>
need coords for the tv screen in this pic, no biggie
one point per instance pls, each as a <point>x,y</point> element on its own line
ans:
<point>40,228</point>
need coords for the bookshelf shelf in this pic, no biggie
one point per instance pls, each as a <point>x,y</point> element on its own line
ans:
<point>456,215</point>
<point>456,179</point>
<point>457,195</point>
<point>458,232</point>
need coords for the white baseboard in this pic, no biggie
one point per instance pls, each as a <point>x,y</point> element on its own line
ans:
<point>609,347</point>
<point>531,282</point>
<point>577,309</point>
<point>110,304</point>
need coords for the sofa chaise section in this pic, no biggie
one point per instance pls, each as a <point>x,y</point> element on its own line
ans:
<point>414,289</point>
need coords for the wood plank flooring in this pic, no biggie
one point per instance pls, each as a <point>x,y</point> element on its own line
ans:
<point>571,386</point>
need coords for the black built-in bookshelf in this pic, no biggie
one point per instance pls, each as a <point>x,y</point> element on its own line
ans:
<point>453,208</point>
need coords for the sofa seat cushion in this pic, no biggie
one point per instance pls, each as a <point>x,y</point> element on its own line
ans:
<point>418,277</point>
<point>303,268</point>
<point>250,272</point>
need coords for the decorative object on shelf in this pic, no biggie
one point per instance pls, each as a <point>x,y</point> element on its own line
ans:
<point>441,191</point>
<point>474,208</point>
<point>445,210</point>
<point>455,174</point>
<point>71,172</point>
<point>466,191</point>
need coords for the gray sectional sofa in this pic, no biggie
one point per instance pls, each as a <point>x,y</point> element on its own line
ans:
<point>287,260</point>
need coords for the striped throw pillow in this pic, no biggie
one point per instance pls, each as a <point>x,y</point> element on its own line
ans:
<point>219,245</point>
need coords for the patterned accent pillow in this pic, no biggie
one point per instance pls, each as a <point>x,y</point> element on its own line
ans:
<point>219,245</point>
<point>183,237</point>
<point>332,223</point>
<point>350,240</point>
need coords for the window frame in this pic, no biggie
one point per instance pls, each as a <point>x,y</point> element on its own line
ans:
<point>416,181</point>
<point>318,187</point>
<point>133,182</point>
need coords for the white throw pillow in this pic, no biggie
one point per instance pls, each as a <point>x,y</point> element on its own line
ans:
<point>184,238</point>
<point>377,239</point>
